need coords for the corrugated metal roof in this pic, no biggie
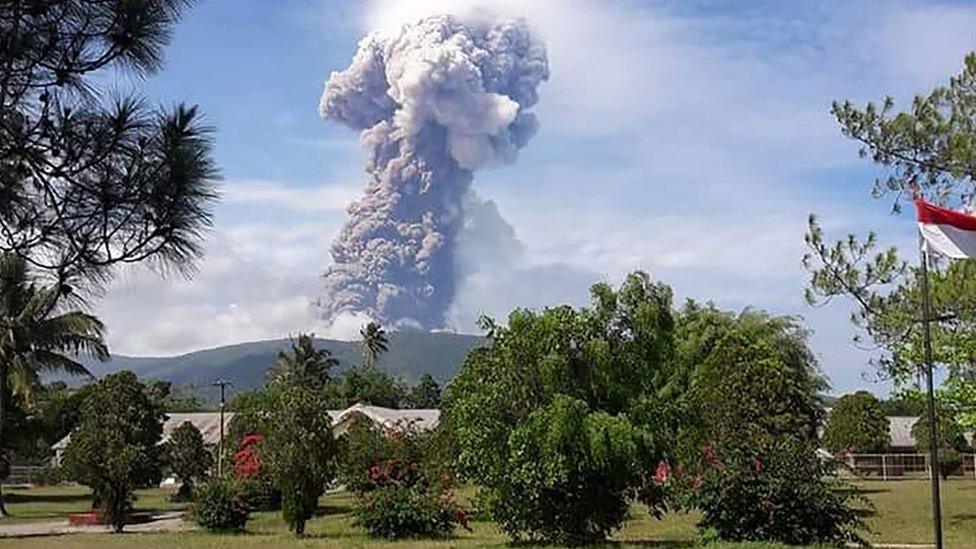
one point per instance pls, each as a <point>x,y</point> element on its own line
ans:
<point>388,418</point>
<point>209,422</point>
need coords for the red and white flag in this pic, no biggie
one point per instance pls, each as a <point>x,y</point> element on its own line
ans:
<point>948,232</point>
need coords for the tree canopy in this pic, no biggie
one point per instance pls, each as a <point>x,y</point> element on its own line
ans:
<point>115,447</point>
<point>578,389</point>
<point>90,180</point>
<point>927,150</point>
<point>303,364</point>
<point>857,424</point>
<point>188,458</point>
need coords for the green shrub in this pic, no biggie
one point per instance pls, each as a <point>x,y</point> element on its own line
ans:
<point>360,447</point>
<point>260,494</point>
<point>755,474</point>
<point>219,507</point>
<point>401,495</point>
<point>778,493</point>
<point>572,471</point>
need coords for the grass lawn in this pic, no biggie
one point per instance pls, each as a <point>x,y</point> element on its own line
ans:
<point>901,515</point>
<point>51,503</point>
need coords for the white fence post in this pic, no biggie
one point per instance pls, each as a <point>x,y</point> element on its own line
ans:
<point>884,466</point>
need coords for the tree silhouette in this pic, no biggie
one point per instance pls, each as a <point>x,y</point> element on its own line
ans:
<point>374,342</point>
<point>304,364</point>
<point>87,181</point>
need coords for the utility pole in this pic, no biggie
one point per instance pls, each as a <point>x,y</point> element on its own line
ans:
<point>222,383</point>
<point>933,426</point>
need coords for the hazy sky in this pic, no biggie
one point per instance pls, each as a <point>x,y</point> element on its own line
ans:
<point>689,139</point>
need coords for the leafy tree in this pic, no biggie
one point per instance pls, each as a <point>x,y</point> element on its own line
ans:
<point>587,458</point>
<point>929,150</point>
<point>188,458</point>
<point>959,396</point>
<point>951,440</point>
<point>580,391</point>
<point>367,385</point>
<point>115,448</point>
<point>426,393</point>
<point>304,364</point>
<point>908,402</point>
<point>88,181</point>
<point>38,335</point>
<point>374,342</point>
<point>857,424</point>
<point>756,475</point>
<point>299,450</point>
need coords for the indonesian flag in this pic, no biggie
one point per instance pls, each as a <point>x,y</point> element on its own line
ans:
<point>948,232</point>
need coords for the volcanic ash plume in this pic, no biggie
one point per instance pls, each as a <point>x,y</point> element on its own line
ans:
<point>435,101</point>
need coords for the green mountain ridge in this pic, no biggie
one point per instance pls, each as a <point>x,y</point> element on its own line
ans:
<point>411,354</point>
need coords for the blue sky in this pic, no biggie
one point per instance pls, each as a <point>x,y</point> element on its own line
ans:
<point>687,139</point>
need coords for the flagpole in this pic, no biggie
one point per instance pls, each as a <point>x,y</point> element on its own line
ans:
<point>933,426</point>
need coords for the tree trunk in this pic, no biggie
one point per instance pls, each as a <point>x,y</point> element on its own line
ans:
<point>3,407</point>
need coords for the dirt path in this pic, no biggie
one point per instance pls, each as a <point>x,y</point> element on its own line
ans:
<point>172,521</point>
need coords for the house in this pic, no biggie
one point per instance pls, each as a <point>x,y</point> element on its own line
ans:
<point>422,420</point>
<point>208,423</point>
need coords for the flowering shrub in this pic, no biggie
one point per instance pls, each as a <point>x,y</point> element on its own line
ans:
<point>400,511</point>
<point>398,500</point>
<point>777,492</point>
<point>219,507</point>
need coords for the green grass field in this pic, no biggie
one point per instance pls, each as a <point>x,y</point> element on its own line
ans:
<point>901,515</point>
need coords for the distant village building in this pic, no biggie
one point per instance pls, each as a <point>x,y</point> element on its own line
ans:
<point>208,423</point>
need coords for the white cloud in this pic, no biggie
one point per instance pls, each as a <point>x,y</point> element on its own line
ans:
<point>257,281</point>
<point>926,43</point>
<point>274,194</point>
<point>688,144</point>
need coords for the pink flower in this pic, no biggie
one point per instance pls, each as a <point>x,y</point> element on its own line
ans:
<point>662,473</point>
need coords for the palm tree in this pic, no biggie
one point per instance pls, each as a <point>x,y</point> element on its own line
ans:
<point>37,335</point>
<point>374,342</point>
<point>304,364</point>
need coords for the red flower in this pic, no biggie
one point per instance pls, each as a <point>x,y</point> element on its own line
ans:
<point>461,516</point>
<point>247,461</point>
<point>662,473</point>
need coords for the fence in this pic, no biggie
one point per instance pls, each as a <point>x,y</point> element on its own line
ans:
<point>898,466</point>
<point>22,475</point>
